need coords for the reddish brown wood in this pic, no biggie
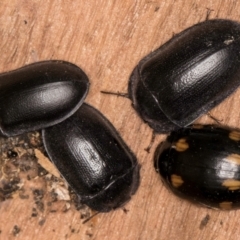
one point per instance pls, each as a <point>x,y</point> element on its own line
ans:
<point>107,39</point>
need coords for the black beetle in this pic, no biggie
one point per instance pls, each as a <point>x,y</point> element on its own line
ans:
<point>40,95</point>
<point>187,76</point>
<point>202,164</point>
<point>93,159</point>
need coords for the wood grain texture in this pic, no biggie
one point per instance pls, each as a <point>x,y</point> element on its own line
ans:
<point>107,39</point>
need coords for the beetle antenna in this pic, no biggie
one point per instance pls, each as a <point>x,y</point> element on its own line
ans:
<point>148,148</point>
<point>215,119</point>
<point>208,13</point>
<point>89,218</point>
<point>116,93</point>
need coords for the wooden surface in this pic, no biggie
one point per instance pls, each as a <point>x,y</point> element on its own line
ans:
<point>107,39</point>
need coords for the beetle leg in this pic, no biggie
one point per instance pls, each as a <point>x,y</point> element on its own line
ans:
<point>126,95</point>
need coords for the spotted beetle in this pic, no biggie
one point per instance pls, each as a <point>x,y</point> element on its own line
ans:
<point>202,164</point>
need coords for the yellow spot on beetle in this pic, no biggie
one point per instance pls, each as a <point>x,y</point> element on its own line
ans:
<point>234,158</point>
<point>225,205</point>
<point>234,135</point>
<point>231,184</point>
<point>181,145</point>
<point>176,180</point>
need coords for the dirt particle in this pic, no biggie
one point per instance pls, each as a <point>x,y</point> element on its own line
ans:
<point>125,210</point>
<point>34,212</point>
<point>40,205</point>
<point>16,230</point>
<point>89,234</point>
<point>41,222</point>
<point>41,171</point>
<point>38,194</point>
<point>204,222</point>
<point>22,194</point>
<point>12,154</point>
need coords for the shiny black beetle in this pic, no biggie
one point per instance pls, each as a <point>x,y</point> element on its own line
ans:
<point>202,164</point>
<point>40,95</point>
<point>187,76</point>
<point>93,159</point>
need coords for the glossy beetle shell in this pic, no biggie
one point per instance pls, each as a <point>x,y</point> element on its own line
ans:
<point>93,159</point>
<point>202,164</point>
<point>40,95</point>
<point>188,75</point>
